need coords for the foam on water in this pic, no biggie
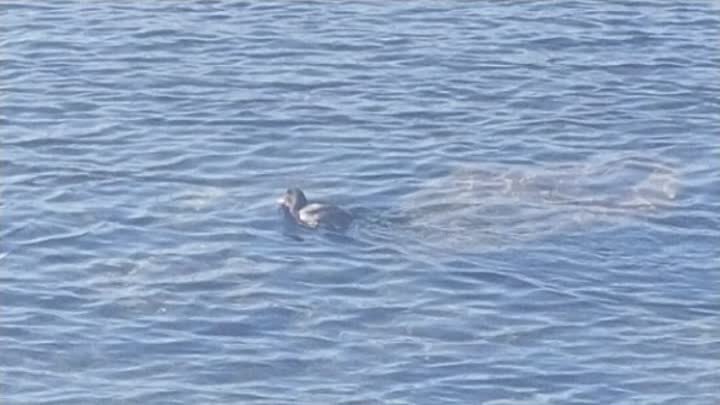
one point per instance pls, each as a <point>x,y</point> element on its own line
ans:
<point>475,207</point>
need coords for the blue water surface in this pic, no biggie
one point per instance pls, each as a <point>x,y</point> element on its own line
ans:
<point>535,185</point>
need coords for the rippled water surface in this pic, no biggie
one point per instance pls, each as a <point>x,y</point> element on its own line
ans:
<point>535,188</point>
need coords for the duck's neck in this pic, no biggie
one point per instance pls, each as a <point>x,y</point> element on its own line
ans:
<point>293,212</point>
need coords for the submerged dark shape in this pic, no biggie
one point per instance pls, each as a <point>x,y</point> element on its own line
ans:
<point>315,214</point>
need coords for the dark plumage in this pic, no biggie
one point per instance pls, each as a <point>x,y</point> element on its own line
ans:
<point>313,215</point>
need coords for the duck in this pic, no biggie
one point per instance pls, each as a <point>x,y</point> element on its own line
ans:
<point>313,214</point>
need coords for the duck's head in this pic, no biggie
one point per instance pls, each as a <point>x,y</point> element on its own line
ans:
<point>293,200</point>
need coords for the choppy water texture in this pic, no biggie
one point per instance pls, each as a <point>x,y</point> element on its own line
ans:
<point>535,185</point>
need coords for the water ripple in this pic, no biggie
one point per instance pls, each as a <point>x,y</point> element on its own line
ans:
<point>535,192</point>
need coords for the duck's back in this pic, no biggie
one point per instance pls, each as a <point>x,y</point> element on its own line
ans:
<point>318,214</point>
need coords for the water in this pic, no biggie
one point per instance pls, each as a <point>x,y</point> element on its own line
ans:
<point>535,186</point>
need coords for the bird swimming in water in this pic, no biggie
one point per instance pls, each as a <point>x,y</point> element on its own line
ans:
<point>313,214</point>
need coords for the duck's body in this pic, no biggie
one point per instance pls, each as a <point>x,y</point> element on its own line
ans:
<point>314,215</point>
